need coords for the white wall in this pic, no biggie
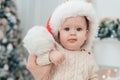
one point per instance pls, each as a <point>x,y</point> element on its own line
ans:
<point>26,11</point>
<point>108,8</point>
<point>35,12</point>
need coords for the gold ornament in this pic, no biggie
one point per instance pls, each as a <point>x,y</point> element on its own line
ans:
<point>7,9</point>
<point>1,34</point>
<point>4,21</point>
<point>89,1</point>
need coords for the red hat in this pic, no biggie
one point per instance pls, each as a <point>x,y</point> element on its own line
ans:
<point>48,26</point>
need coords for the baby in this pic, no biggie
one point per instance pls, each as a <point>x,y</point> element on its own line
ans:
<point>73,27</point>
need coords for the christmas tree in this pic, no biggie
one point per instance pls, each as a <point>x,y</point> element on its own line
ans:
<point>109,28</point>
<point>12,53</point>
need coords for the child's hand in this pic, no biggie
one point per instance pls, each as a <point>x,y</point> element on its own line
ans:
<point>56,57</point>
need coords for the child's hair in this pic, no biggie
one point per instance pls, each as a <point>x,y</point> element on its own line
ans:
<point>87,21</point>
<point>74,8</point>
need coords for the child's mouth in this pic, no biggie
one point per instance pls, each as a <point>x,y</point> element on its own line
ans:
<point>72,40</point>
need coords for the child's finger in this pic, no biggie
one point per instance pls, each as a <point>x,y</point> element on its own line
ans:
<point>62,59</point>
<point>55,63</point>
<point>59,61</point>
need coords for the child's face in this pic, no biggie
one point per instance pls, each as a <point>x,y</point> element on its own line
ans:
<point>73,33</point>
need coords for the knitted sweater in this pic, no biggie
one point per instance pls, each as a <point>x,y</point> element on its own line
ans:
<point>78,65</point>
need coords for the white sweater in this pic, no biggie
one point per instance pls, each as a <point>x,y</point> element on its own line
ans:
<point>78,65</point>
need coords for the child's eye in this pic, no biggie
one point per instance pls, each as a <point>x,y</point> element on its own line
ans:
<point>79,29</point>
<point>66,29</point>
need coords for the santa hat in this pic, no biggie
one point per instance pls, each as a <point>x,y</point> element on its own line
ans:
<point>70,9</point>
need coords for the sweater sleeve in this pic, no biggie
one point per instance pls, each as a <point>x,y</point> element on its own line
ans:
<point>93,69</point>
<point>43,59</point>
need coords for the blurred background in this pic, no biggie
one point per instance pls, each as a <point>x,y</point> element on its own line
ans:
<point>17,16</point>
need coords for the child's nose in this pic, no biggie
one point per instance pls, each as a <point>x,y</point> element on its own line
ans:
<point>73,32</point>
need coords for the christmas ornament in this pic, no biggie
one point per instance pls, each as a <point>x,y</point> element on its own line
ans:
<point>109,28</point>
<point>12,54</point>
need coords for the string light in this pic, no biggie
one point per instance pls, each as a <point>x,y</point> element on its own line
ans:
<point>108,73</point>
<point>104,76</point>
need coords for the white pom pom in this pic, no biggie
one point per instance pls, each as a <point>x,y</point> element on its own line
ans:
<point>38,40</point>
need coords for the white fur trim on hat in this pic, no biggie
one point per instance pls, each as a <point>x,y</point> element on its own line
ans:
<point>75,8</point>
